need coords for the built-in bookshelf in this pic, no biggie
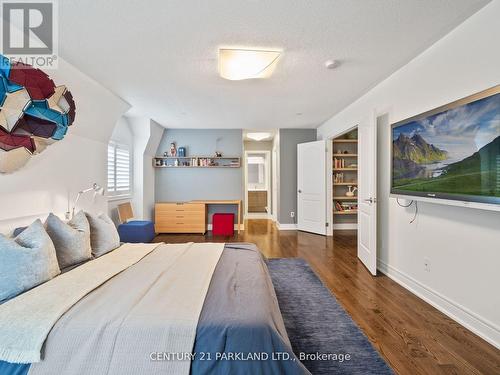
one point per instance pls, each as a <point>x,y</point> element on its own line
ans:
<point>197,162</point>
<point>345,179</point>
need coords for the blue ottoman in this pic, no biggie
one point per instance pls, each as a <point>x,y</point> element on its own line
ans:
<point>137,231</point>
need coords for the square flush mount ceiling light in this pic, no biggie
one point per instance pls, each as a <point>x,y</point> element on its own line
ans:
<point>238,64</point>
<point>258,136</point>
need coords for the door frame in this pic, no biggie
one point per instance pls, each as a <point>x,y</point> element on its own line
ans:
<point>329,177</point>
<point>259,215</point>
<point>274,184</point>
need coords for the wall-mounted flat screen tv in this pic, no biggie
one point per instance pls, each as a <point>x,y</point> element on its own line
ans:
<point>451,152</point>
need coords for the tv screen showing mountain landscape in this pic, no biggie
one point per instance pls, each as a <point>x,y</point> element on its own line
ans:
<point>451,154</point>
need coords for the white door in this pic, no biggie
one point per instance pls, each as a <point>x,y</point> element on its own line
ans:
<point>367,193</point>
<point>311,187</point>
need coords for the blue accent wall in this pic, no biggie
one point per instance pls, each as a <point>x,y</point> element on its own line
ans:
<point>185,184</point>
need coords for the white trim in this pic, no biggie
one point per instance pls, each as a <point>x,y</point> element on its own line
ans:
<point>329,187</point>
<point>286,226</point>
<point>274,182</point>
<point>209,226</point>
<point>345,226</point>
<point>483,328</point>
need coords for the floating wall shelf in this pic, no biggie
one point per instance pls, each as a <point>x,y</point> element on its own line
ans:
<point>197,162</point>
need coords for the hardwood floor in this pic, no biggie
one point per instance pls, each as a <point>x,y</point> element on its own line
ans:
<point>411,335</point>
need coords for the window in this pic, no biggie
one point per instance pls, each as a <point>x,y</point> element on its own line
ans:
<point>119,170</point>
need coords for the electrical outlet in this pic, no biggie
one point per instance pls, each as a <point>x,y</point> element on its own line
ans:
<point>427,265</point>
<point>292,214</point>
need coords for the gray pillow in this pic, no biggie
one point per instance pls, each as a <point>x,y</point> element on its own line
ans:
<point>26,261</point>
<point>103,234</point>
<point>71,240</point>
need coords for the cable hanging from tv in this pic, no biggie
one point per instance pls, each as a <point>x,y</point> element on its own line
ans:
<point>408,205</point>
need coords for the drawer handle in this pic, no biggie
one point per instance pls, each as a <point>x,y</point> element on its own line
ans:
<point>179,223</point>
<point>179,217</point>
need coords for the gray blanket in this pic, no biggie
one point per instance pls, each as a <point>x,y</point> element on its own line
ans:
<point>117,329</point>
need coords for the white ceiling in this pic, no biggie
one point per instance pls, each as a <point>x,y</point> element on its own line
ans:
<point>161,55</point>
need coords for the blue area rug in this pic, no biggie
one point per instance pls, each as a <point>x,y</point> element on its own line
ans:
<point>316,323</point>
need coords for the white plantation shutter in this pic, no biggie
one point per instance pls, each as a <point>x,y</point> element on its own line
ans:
<point>119,171</point>
<point>111,168</point>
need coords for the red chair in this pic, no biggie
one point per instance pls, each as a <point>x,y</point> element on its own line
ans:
<point>223,224</point>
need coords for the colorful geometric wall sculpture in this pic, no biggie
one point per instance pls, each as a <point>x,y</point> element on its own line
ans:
<point>34,113</point>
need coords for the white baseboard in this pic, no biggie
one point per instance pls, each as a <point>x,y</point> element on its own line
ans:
<point>345,226</point>
<point>483,328</point>
<point>286,226</point>
<point>209,226</point>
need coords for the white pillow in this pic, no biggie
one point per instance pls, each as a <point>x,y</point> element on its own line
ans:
<point>103,234</point>
<point>26,261</point>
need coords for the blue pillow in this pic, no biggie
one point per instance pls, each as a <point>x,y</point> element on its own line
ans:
<point>27,261</point>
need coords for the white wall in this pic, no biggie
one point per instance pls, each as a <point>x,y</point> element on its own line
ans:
<point>463,245</point>
<point>122,134</point>
<point>155,136</point>
<point>147,136</point>
<point>43,185</point>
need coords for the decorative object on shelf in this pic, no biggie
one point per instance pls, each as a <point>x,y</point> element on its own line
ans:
<point>173,149</point>
<point>218,154</point>
<point>181,152</point>
<point>350,191</point>
<point>176,162</point>
<point>338,178</point>
<point>34,113</point>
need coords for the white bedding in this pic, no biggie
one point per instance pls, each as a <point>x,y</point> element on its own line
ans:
<point>25,321</point>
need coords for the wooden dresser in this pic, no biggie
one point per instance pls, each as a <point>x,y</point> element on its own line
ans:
<point>189,217</point>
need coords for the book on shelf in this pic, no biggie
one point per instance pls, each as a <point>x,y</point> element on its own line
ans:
<point>345,206</point>
<point>338,163</point>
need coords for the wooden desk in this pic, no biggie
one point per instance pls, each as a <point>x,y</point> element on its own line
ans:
<point>236,202</point>
<point>187,217</point>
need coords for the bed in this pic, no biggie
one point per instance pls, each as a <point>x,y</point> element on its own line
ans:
<point>239,331</point>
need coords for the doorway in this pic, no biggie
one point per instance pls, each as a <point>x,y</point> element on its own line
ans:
<point>354,187</point>
<point>258,184</point>
<point>345,181</point>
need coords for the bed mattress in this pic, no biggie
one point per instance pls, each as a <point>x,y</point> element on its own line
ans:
<point>240,330</point>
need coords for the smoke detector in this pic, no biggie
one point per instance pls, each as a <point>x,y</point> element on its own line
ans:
<point>331,64</point>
